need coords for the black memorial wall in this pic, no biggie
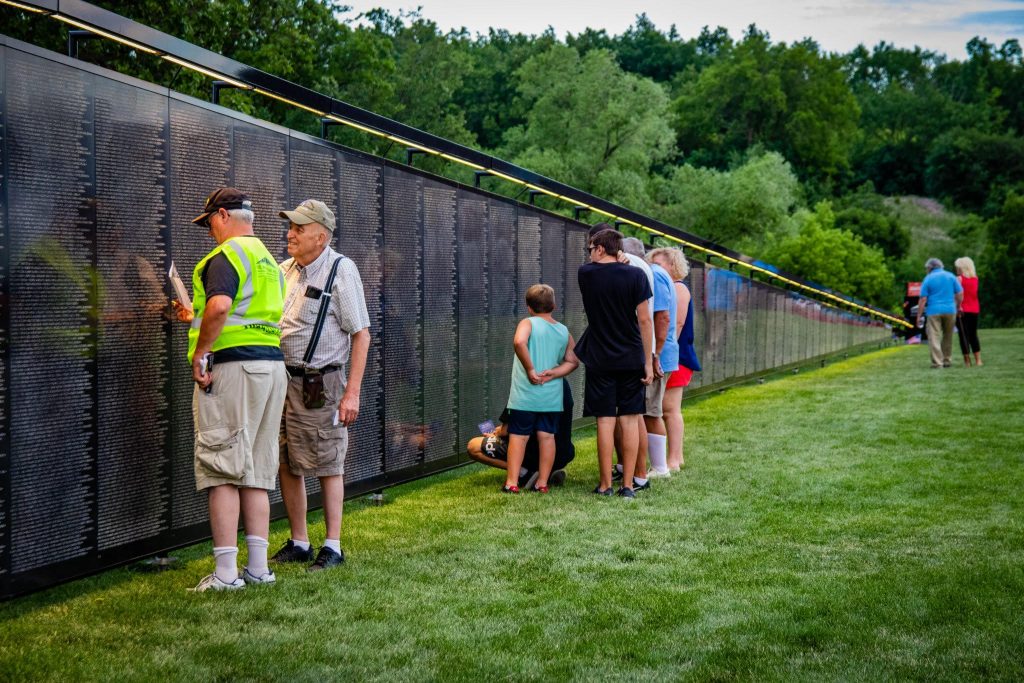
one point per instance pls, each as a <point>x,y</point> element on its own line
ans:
<point>100,177</point>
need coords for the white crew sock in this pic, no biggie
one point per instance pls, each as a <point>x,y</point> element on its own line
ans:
<point>257,555</point>
<point>656,451</point>
<point>303,545</point>
<point>639,481</point>
<point>334,544</point>
<point>618,468</point>
<point>226,558</point>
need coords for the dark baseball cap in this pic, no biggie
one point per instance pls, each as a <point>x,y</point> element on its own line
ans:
<point>225,198</point>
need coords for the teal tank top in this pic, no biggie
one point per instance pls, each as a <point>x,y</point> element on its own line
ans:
<point>547,349</point>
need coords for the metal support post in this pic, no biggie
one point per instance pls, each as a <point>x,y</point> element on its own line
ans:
<point>325,124</point>
<point>410,152</point>
<point>75,36</point>
<point>577,210</point>
<point>477,175</point>
<point>215,89</point>
<point>533,196</point>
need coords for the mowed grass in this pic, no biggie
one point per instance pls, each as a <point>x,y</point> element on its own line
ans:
<point>857,522</point>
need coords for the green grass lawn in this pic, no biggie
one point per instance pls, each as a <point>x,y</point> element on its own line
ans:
<point>862,521</point>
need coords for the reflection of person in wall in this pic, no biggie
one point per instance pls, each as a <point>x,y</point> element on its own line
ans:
<point>239,298</point>
<point>325,328</point>
<point>492,448</point>
<point>721,290</point>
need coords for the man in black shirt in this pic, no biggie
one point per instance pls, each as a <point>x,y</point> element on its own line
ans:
<point>616,349</point>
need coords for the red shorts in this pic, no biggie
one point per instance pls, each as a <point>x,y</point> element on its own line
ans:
<point>679,378</point>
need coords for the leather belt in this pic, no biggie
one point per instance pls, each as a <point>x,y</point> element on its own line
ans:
<point>299,372</point>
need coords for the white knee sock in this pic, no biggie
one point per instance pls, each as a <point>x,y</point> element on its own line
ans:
<point>656,451</point>
<point>226,558</point>
<point>257,555</point>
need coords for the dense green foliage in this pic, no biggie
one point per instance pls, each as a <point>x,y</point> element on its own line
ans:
<point>828,526</point>
<point>731,139</point>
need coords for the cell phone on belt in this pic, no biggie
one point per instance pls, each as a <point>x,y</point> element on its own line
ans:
<point>206,367</point>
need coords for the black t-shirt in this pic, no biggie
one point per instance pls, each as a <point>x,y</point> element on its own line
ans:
<point>611,292</point>
<point>220,277</point>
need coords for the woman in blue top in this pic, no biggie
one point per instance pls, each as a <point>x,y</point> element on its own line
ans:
<point>674,262</point>
<point>544,351</point>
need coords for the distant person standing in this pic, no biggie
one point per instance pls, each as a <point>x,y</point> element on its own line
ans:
<point>941,295</point>
<point>967,276</point>
<point>616,350</point>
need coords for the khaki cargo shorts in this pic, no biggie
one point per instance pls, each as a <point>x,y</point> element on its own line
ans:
<point>655,394</point>
<point>311,444</point>
<point>237,424</point>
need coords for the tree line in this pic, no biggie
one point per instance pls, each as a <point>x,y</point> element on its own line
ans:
<point>798,156</point>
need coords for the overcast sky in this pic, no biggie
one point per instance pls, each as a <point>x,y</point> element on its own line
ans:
<point>941,25</point>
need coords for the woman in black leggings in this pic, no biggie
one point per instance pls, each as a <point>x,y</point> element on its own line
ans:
<point>969,310</point>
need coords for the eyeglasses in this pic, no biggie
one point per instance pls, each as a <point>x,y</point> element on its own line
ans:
<point>209,217</point>
<point>591,248</point>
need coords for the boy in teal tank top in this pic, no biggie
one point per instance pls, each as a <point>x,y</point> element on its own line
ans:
<point>544,351</point>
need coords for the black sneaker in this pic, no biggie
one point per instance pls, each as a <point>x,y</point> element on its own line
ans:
<point>625,493</point>
<point>293,553</point>
<point>527,481</point>
<point>641,487</point>
<point>557,478</point>
<point>616,474</point>
<point>610,491</point>
<point>326,559</point>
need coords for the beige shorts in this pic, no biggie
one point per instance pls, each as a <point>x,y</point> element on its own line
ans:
<point>311,444</point>
<point>237,424</point>
<point>654,395</point>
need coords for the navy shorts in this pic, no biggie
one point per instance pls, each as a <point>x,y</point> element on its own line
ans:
<point>526,422</point>
<point>610,393</point>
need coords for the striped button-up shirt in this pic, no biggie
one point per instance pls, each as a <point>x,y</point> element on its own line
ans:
<point>347,314</point>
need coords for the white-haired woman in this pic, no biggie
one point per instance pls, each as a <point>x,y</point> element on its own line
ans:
<point>969,310</point>
<point>673,260</point>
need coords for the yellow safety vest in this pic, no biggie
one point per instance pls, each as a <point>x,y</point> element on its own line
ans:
<point>255,315</point>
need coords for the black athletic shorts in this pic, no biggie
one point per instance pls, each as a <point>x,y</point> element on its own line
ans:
<point>614,392</point>
<point>494,447</point>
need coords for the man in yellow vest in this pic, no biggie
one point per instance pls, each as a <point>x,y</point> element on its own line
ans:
<point>234,346</point>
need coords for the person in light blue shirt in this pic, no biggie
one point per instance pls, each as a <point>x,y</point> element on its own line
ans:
<point>666,347</point>
<point>544,351</point>
<point>941,294</point>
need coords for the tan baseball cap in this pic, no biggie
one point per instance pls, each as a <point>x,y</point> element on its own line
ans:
<point>310,211</point>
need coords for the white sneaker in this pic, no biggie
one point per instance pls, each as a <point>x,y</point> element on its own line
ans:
<point>213,583</point>
<point>658,474</point>
<point>251,578</point>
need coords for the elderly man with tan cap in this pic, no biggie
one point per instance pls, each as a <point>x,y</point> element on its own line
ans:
<point>324,329</point>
